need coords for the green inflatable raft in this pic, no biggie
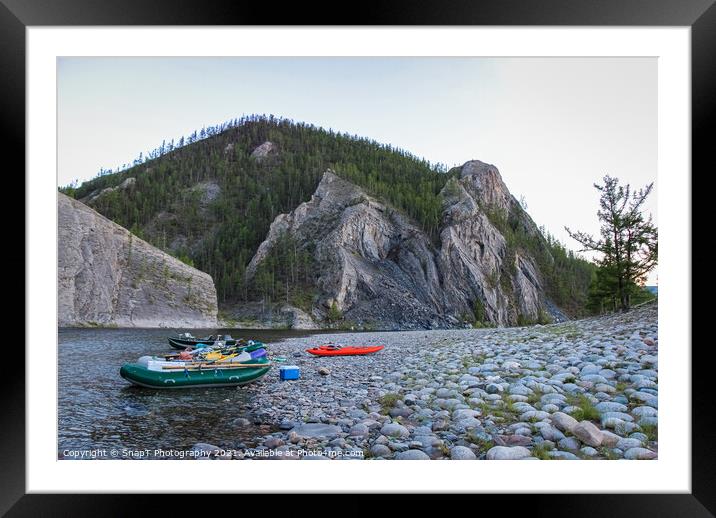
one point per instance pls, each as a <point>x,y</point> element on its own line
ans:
<point>173,375</point>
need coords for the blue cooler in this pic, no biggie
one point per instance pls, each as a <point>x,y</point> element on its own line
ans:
<point>289,372</point>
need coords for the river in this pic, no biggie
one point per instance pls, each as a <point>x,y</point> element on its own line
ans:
<point>97,409</point>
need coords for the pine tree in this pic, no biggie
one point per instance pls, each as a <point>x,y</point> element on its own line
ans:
<point>629,241</point>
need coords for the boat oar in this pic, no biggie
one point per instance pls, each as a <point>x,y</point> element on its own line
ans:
<point>210,366</point>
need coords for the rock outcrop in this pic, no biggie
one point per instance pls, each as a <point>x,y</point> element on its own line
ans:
<point>380,269</point>
<point>95,195</point>
<point>375,265</point>
<point>264,150</point>
<point>475,258</point>
<point>109,277</point>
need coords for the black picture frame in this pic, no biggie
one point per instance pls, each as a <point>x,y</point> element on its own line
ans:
<point>700,15</point>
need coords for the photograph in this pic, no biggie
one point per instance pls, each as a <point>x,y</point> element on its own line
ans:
<point>368,258</point>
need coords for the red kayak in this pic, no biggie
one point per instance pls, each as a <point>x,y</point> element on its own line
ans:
<point>342,350</point>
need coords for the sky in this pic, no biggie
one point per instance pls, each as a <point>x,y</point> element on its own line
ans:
<point>552,126</point>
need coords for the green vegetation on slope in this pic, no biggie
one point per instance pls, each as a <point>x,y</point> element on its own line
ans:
<point>567,277</point>
<point>208,202</point>
<point>221,235</point>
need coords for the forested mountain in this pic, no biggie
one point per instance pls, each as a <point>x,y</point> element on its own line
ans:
<point>211,199</point>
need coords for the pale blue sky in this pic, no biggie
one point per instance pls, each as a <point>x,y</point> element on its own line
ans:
<point>553,126</point>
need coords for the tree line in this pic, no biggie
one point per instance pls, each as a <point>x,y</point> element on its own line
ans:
<point>171,206</point>
<point>219,236</point>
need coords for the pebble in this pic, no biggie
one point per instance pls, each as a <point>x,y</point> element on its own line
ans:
<point>398,446</point>
<point>394,430</point>
<point>551,433</point>
<point>359,430</point>
<point>462,453</point>
<point>507,453</point>
<point>534,415</point>
<point>625,444</point>
<point>648,421</point>
<point>588,433</point>
<point>242,422</point>
<point>644,397</point>
<point>412,455</point>
<point>273,442</point>
<point>642,438</point>
<point>493,389</point>
<point>610,439</point>
<point>639,454</point>
<point>512,440</point>
<point>562,455</point>
<point>613,422</point>
<point>380,450</point>
<point>520,390</point>
<point>317,430</point>
<point>464,413</point>
<point>564,422</point>
<point>617,415</point>
<point>444,393</point>
<point>400,412</point>
<point>410,399</point>
<point>588,451</point>
<point>610,406</point>
<point>569,443</point>
<point>645,411</point>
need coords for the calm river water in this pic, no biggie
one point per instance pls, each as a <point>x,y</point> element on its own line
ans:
<point>97,409</point>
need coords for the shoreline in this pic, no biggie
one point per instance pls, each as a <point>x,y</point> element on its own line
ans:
<point>251,325</point>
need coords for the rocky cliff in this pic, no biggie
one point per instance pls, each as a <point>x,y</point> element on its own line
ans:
<point>479,266</point>
<point>109,277</point>
<point>378,268</point>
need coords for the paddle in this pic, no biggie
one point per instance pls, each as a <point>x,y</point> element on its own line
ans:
<point>209,366</point>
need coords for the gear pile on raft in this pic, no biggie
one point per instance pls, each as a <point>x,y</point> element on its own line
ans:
<point>215,361</point>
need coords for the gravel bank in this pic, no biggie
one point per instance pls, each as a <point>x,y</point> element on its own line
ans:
<point>584,389</point>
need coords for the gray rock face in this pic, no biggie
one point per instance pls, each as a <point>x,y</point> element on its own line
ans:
<point>208,191</point>
<point>473,251</point>
<point>109,277</point>
<point>126,184</point>
<point>264,150</point>
<point>298,319</point>
<point>379,268</point>
<point>370,260</point>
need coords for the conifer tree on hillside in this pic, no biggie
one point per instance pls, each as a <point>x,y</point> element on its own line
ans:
<point>628,241</point>
<point>171,206</point>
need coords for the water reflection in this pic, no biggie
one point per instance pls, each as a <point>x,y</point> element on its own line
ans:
<point>99,409</point>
